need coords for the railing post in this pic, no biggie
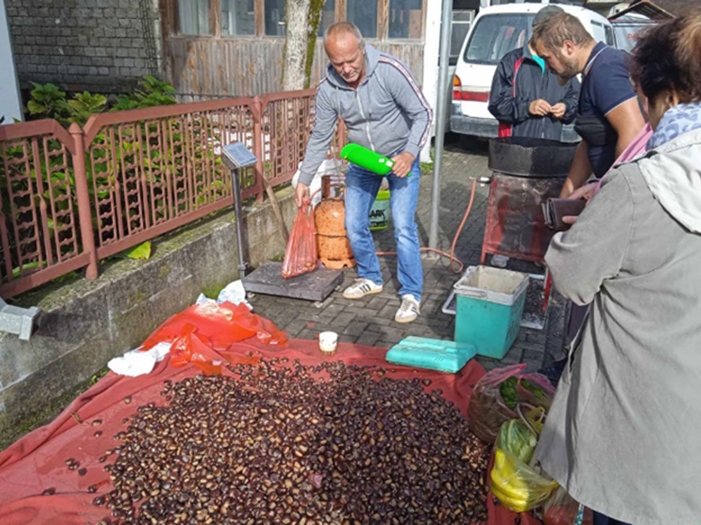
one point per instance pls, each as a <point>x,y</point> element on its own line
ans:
<point>83,195</point>
<point>258,145</point>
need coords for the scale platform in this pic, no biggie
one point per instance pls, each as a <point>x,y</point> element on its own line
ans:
<point>312,286</point>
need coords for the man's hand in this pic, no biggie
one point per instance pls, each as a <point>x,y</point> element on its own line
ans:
<point>402,164</point>
<point>539,108</point>
<point>302,194</point>
<point>558,110</point>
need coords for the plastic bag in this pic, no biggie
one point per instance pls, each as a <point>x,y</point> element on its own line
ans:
<point>301,255</point>
<point>488,411</point>
<point>517,484</point>
<point>189,348</point>
<point>561,509</point>
<point>218,325</point>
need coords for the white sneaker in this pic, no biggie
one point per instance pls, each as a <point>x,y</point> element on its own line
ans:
<point>408,311</point>
<point>361,288</point>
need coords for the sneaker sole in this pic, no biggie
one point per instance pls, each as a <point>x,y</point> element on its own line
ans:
<point>371,292</point>
<point>405,321</point>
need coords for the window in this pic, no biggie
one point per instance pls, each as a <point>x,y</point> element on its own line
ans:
<point>363,13</point>
<point>459,29</point>
<point>237,17</point>
<point>275,17</point>
<point>597,31</point>
<point>193,16</point>
<point>328,15</point>
<point>405,18</point>
<point>496,35</point>
<point>610,40</point>
<point>383,19</point>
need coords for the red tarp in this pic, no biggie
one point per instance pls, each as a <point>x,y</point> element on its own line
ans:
<point>38,461</point>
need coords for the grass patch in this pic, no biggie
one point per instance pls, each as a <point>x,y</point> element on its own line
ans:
<point>427,167</point>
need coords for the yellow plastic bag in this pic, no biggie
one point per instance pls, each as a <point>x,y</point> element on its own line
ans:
<point>517,484</point>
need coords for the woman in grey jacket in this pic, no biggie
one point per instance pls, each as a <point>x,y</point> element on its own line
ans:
<point>624,433</point>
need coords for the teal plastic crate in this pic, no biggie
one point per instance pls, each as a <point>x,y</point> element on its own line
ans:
<point>489,309</point>
<point>436,354</point>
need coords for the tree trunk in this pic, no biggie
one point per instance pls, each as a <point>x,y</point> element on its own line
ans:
<point>302,18</point>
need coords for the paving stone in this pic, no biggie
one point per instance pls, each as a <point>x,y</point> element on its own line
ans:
<point>368,338</point>
<point>345,338</point>
<point>355,329</point>
<point>370,320</point>
<point>513,356</point>
<point>343,319</point>
<point>377,302</point>
<point>294,327</point>
<point>388,311</point>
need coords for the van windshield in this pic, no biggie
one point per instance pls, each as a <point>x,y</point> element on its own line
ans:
<point>495,35</point>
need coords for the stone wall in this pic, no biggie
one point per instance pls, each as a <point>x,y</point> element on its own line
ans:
<point>96,45</point>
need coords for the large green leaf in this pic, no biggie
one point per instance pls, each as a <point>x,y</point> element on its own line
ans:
<point>142,251</point>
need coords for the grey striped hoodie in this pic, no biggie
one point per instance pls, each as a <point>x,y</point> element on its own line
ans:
<point>387,113</point>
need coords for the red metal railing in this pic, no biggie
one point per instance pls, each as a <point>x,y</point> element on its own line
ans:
<point>71,198</point>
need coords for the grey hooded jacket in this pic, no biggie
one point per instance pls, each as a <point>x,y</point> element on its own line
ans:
<point>387,113</point>
<point>623,435</point>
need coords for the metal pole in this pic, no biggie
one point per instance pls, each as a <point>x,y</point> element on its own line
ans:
<point>238,214</point>
<point>441,108</point>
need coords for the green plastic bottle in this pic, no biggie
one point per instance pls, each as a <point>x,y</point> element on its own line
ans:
<point>366,158</point>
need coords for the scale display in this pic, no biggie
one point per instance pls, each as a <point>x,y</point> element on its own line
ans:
<point>236,155</point>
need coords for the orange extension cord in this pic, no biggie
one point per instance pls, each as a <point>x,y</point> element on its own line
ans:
<point>451,256</point>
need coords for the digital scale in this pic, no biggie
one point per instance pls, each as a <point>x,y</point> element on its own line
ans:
<point>268,280</point>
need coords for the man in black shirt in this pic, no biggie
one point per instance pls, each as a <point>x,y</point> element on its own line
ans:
<point>609,115</point>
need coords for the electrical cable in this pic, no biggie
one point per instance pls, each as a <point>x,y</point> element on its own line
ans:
<point>451,256</point>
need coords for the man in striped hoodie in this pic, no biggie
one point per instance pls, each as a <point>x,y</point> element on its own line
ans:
<point>381,105</point>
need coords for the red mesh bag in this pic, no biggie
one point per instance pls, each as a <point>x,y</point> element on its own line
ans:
<point>301,255</point>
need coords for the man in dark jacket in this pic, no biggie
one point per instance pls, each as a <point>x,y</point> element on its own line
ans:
<point>526,98</point>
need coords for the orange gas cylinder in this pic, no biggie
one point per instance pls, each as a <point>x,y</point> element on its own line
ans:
<point>329,216</point>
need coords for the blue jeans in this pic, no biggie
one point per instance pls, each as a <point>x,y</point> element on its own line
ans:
<point>361,189</point>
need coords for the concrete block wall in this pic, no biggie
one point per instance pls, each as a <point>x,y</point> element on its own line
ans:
<point>83,324</point>
<point>96,45</point>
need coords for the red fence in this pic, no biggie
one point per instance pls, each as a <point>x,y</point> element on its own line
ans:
<point>71,198</point>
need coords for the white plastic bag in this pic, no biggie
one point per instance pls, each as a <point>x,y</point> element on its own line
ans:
<point>328,167</point>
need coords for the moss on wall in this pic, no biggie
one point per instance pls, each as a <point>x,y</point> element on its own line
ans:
<point>315,8</point>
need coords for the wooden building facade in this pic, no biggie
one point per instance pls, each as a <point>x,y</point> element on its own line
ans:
<point>235,47</point>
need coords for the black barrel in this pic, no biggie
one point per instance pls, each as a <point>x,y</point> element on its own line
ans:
<point>527,157</point>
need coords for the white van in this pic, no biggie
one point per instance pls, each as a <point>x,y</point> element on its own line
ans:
<point>496,31</point>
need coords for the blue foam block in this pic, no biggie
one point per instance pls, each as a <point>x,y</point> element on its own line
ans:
<point>435,354</point>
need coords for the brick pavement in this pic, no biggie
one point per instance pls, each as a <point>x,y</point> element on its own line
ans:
<point>370,321</point>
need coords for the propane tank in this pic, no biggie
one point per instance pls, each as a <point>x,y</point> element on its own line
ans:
<point>332,243</point>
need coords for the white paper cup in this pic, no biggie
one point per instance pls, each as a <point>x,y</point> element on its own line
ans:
<point>328,341</point>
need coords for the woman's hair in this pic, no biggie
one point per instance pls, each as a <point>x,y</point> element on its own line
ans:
<point>668,56</point>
